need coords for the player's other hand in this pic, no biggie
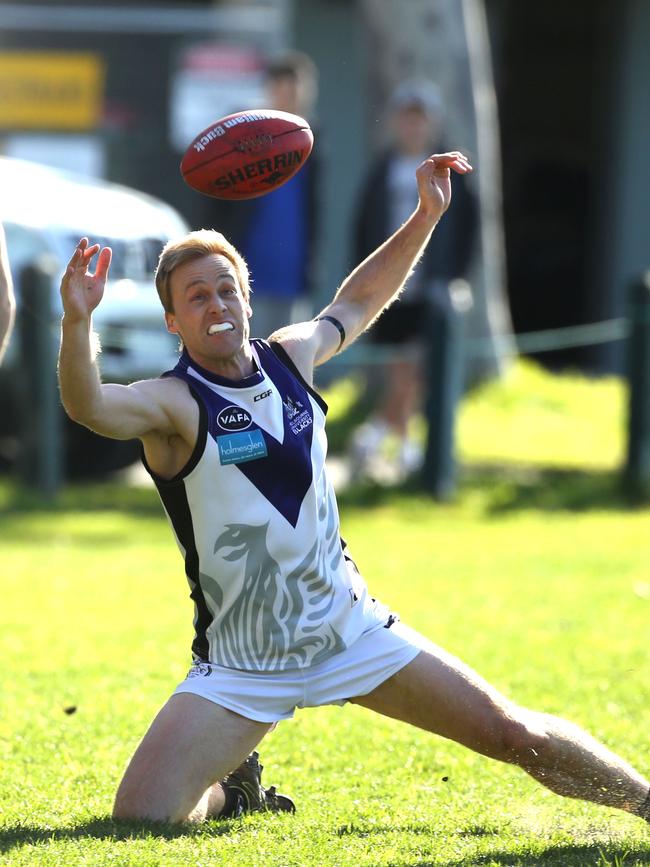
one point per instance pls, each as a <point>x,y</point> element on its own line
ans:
<point>82,291</point>
<point>434,181</point>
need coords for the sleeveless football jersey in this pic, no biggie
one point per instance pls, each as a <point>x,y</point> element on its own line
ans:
<point>256,520</point>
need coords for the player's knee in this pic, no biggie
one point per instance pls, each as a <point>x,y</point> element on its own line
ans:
<point>138,812</point>
<point>133,805</point>
<point>127,807</point>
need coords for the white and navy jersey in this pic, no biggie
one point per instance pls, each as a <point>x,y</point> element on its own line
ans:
<point>256,520</point>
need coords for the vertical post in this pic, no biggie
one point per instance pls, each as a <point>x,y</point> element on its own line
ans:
<point>41,465</point>
<point>637,468</point>
<point>444,386</point>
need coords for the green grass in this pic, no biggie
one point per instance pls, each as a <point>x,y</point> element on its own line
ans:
<point>533,418</point>
<point>537,575</point>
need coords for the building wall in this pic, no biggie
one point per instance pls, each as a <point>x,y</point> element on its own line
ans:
<point>572,83</point>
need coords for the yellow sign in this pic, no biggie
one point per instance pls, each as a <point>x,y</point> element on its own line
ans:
<point>50,90</point>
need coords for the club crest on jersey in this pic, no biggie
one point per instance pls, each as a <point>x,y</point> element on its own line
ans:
<point>234,418</point>
<point>291,407</point>
<point>299,418</point>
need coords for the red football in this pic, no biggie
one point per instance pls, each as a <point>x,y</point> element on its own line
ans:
<point>247,154</point>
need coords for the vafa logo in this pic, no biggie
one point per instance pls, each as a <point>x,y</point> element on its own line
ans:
<point>234,418</point>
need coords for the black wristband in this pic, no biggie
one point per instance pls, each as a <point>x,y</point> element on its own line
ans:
<point>335,322</point>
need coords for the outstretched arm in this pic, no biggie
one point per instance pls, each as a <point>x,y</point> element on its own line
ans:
<point>380,278</point>
<point>7,302</point>
<point>117,411</point>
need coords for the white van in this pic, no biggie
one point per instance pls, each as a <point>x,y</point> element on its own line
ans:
<point>45,211</point>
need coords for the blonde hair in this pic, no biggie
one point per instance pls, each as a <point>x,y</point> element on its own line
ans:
<point>194,245</point>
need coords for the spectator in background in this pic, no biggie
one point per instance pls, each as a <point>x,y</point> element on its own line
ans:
<point>7,302</point>
<point>277,233</point>
<point>387,198</point>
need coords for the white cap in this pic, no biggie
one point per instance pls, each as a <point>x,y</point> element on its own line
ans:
<point>417,94</point>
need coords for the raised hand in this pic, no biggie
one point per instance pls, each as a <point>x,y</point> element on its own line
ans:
<point>434,180</point>
<point>82,291</point>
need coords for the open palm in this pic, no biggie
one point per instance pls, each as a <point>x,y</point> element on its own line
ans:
<point>82,291</point>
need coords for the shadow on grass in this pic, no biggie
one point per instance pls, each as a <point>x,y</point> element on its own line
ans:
<point>354,830</point>
<point>97,497</point>
<point>579,855</point>
<point>557,856</point>
<point>594,855</point>
<point>15,836</point>
<point>510,488</point>
<point>504,488</point>
<point>500,488</point>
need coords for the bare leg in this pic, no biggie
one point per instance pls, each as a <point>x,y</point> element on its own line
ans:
<point>438,693</point>
<point>402,395</point>
<point>174,773</point>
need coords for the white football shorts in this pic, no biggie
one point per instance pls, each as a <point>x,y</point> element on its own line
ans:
<point>274,695</point>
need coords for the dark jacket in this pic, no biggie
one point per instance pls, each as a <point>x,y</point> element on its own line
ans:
<point>448,254</point>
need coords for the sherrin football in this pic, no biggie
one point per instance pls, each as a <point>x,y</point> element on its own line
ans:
<point>247,154</point>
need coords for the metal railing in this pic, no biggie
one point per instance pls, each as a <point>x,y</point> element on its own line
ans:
<point>449,350</point>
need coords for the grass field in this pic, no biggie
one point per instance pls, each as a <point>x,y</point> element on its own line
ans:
<point>537,575</point>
